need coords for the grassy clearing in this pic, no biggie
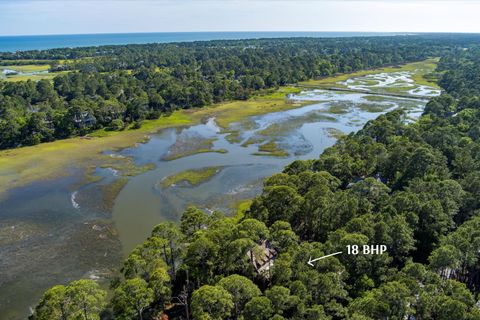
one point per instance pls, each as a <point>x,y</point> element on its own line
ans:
<point>32,72</point>
<point>26,61</point>
<point>279,93</point>
<point>27,68</point>
<point>34,77</point>
<point>192,177</point>
<point>69,61</point>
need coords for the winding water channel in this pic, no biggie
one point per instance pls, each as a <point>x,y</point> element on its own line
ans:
<point>56,231</point>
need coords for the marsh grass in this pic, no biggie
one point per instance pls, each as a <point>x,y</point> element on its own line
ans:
<point>374,107</point>
<point>421,74</point>
<point>373,98</point>
<point>271,149</point>
<point>334,133</point>
<point>241,207</point>
<point>111,191</point>
<point>339,107</point>
<point>192,177</point>
<point>189,146</point>
<point>21,166</point>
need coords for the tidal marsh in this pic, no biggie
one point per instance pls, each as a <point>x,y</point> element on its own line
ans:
<point>192,177</point>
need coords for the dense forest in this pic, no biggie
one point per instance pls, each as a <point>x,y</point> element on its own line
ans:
<point>115,87</point>
<point>412,187</point>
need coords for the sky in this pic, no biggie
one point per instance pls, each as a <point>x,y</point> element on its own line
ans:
<point>31,17</point>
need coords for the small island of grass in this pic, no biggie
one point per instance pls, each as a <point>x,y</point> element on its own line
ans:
<point>192,177</point>
<point>188,146</point>
<point>271,149</point>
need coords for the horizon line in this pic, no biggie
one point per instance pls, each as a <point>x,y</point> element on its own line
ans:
<point>238,31</point>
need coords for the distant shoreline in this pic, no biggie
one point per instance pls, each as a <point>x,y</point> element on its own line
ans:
<point>43,42</point>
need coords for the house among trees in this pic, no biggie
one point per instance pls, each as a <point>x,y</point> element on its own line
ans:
<point>85,119</point>
<point>262,257</point>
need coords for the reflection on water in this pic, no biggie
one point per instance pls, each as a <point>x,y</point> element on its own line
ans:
<point>56,231</point>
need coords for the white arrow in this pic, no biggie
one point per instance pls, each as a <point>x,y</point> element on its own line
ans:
<point>310,260</point>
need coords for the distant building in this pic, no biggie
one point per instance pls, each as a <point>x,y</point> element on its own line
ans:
<point>262,257</point>
<point>85,119</point>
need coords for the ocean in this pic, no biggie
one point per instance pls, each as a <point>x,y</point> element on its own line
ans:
<point>22,43</point>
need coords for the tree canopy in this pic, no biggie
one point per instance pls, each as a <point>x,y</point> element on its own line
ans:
<point>115,87</point>
<point>413,187</point>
